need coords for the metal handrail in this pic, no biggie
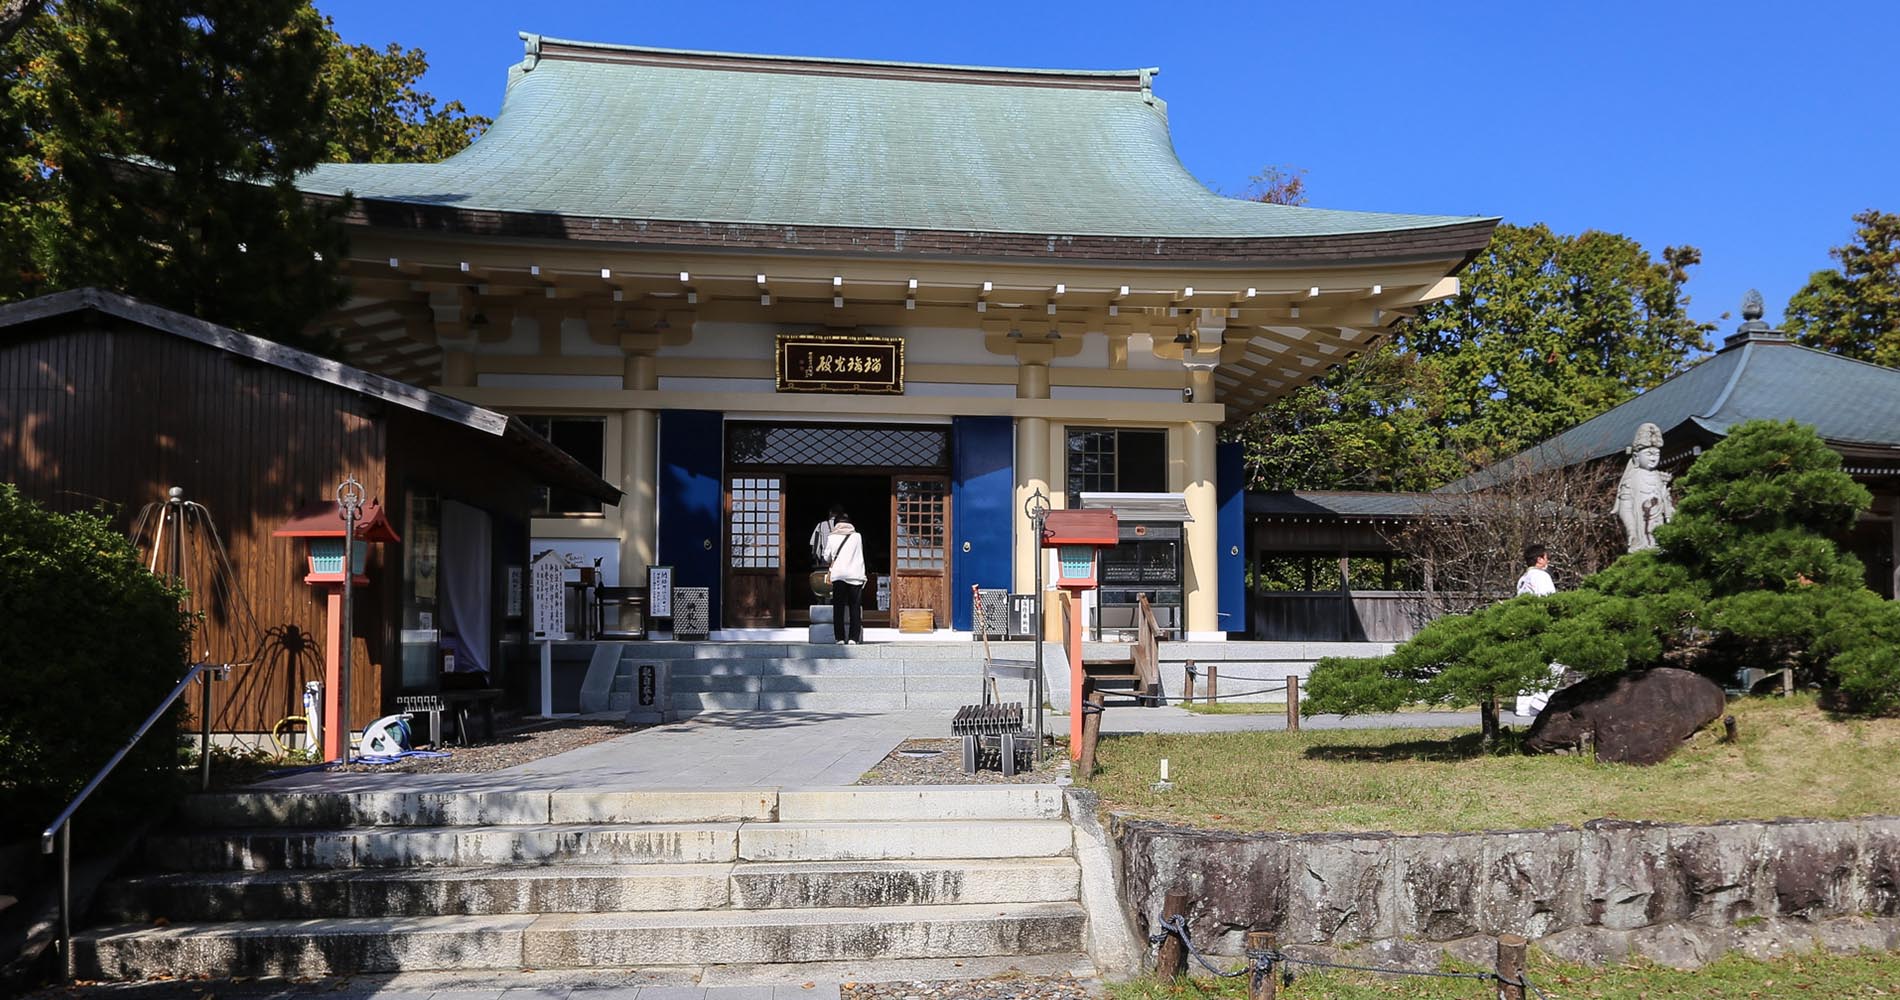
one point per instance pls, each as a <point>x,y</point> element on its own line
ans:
<point>62,827</point>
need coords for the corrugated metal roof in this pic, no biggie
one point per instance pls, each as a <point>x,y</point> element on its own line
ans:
<point>1849,403</point>
<point>1140,506</point>
<point>618,132</point>
<point>553,466</point>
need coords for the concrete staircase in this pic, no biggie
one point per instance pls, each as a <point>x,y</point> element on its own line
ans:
<point>883,677</point>
<point>315,884</point>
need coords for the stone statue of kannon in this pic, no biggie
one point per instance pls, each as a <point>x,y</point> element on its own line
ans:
<point>1642,496</point>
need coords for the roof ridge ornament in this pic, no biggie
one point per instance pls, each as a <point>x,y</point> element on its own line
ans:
<point>531,42</point>
<point>1753,329</point>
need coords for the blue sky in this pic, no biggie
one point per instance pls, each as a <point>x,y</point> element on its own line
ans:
<point>1753,131</point>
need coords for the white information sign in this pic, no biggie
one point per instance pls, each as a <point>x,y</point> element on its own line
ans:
<point>884,593</point>
<point>550,597</point>
<point>659,591</point>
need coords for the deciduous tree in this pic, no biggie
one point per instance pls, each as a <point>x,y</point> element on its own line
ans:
<point>1855,311</point>
<point>1546,331</point>
<point>380,114</point>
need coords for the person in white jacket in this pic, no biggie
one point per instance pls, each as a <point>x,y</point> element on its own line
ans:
<point>844,553</point>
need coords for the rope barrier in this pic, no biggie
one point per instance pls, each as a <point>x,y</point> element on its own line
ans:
<point>1262,962</point>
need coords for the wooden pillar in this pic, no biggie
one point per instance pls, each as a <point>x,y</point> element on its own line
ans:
<point>1345,593</point>
<point>1171,959</point>
<point>1511,948</point>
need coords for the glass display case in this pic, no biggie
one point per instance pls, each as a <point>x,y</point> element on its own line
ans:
<point>1147,560</point>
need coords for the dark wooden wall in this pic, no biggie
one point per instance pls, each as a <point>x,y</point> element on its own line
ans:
<point>91,417</point>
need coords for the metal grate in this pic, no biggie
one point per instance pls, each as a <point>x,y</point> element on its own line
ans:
<point>988,720</point>
<point>872,447</point>
<point>691,614</point>
<point>992,614</point>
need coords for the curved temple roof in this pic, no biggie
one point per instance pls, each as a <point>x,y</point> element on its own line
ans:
<point>620,133</point>
<point>1757,376</point>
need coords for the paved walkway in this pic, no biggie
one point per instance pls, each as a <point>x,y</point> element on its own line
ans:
<point>712,750</point>
<point>802,749</point>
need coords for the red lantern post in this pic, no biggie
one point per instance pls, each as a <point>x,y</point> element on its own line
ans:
<point>323,529</point>
<point>1078,536</point>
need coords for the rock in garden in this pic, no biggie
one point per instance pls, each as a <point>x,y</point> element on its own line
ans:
<point>1639,717</point>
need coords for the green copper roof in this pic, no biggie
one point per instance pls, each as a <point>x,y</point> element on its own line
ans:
<point>1851,404</point>
<point>615,132</point>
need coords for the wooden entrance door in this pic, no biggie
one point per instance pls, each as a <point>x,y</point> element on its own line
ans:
<point>755,552</point>
<point>920,545</point>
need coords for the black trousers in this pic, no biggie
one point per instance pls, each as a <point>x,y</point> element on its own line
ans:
<point>844,602</point>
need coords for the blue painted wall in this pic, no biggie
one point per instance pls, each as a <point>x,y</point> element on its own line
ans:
<point>982,491</point>
<point>692,446</point>
<point>1230,492</point>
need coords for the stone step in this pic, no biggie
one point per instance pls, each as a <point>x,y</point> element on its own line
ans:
<point>768,885</point>
<point>852,667</point>
<point>330,810</point>
<point>566,941</point>
<point>678,652</point>
<point>421,892</point>
<point>450,846</point>
<point>417,892</point>
<point>919,802</point>
<point>892,841</point>
<point>694,702</point>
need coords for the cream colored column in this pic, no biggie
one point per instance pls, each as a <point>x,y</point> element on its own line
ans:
<point>1032,459</point>
<point>639,466</point>
<point>1203,535</point>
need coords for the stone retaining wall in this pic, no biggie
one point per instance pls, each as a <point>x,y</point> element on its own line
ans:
<point>1679,895</point>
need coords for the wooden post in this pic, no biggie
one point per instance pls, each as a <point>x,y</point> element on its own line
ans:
<point>1187,685</point>
<point>1511,966</point>
<point>1787,682</point>
<point>1091,731</point>
<point>1264,984</point>
<point>1730,731</point>
<point>1292,704</point>
<point>1213,683</point>
<point>1488,724</point>
<point>1171,960</point>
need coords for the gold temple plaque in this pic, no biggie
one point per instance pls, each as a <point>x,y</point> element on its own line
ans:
<point>810,362</point>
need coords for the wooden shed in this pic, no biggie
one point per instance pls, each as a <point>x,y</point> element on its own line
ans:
<point>107,402</point>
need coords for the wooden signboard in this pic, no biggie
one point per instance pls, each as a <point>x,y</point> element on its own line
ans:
<point>810,362</point>
<point>550,596</point>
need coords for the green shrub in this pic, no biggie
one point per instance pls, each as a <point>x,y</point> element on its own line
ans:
<point>89,643</point>
<point>1746,575</point>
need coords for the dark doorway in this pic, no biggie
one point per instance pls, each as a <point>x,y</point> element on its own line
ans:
<point>808,499</point>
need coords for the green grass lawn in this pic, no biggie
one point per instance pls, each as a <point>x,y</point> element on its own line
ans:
<point>1872,974</point>
<point>1792,760</point>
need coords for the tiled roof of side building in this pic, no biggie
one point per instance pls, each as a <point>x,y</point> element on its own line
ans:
<point>1849,403</point>
<point>1343,504</point>
<point>616,132</point>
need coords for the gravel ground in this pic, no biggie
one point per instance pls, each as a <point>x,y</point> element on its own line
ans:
<point>529,741</point>
<point>998,988</point>
<point>913,763</point>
